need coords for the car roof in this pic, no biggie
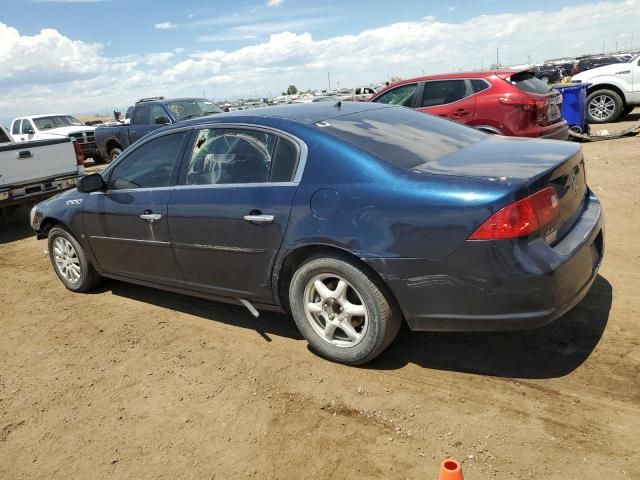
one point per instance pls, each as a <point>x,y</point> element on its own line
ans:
<point>306,113</point>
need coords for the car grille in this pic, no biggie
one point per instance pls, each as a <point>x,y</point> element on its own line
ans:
<point>83,137</point>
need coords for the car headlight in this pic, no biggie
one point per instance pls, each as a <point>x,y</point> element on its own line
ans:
<point>32,216</point>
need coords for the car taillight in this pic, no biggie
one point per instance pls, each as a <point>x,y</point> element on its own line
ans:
<point>79,154</point>
<point>527,103</point>
<point>521,218</point>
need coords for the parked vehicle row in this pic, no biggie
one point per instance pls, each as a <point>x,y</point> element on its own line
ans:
<point>52,126</point>
<point>34,170</point>
<point>353,217</point>
<point>500,102</point>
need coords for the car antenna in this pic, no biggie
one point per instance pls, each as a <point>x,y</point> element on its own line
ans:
<point>338,104</point>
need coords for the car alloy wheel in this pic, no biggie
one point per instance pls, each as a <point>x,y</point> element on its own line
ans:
<point>66,260</point>
<point>335,310</point>
<point>602,107</point>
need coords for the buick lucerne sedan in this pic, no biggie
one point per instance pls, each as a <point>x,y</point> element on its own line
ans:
<point>352,217</point>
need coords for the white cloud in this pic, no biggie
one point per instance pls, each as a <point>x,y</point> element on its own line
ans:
<point>165,26</point>
<point>274,3</point>
<point>50,71</point>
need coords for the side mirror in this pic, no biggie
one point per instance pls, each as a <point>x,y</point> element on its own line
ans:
<point>117,115</point>
<point>30,131</point>
<point>91,183</point>
<point>162,121</point>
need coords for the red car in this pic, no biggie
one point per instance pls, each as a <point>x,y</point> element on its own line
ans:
<point>508,102</point>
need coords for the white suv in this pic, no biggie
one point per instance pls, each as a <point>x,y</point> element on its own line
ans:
<point>47,127</point>
<point>614,90</point>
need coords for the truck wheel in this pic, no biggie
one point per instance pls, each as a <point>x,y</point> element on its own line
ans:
<point>603,106</point>
<point>343,312</point>
<point>115,153</point>
<point>70,263</point>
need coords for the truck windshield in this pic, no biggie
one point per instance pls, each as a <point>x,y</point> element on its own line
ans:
<point>56,121</point>
<point>192,108</point>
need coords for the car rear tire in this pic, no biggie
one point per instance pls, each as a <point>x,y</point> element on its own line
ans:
<point>603,106</point>
<point>115,153</point>
<point>343,312</point>
<point>70,262</point>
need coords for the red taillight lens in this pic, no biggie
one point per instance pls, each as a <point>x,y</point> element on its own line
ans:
<point>79,154</point>
<point>521,218</point>
<point>527,103</point>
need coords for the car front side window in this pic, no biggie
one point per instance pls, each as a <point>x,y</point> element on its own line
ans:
<point>151,165</point>
<point>233,156</point>
<point>402,95</point>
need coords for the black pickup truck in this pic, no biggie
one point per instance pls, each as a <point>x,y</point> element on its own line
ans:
<point>149,114</point>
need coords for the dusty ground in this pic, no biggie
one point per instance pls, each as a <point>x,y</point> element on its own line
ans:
<point>130,382</point>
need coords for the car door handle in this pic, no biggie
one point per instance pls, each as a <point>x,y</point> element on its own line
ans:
<point>460,112</point>
<point>24,154</point>
<point>150,217</point>
<point>259,218</point>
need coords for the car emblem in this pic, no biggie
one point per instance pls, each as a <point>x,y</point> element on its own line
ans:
<point>574,184</point>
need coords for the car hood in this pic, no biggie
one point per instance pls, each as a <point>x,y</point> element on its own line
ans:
<point>613,69</point>
<point>503,158</point>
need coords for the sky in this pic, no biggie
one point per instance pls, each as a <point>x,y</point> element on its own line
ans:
<point>91,56</point>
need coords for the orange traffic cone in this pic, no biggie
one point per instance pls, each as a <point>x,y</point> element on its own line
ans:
<point>450,469</point>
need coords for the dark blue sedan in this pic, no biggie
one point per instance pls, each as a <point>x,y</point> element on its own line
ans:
<point>353,217</point>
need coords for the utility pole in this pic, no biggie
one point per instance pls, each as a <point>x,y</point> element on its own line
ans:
<point>603,47</point>
<point>482,64</point>
<point>616,47</point>
<point>329,79</point>
<point>497,57</point>
<point>631,47</point>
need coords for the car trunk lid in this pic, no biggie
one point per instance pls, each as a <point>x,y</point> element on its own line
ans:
<point>527,165</point>
<point>534,97</point>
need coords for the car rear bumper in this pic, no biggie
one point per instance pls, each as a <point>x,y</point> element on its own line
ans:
<point>499,285</point>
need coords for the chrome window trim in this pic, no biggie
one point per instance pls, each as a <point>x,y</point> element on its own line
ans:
<point>303,153</point>
<point>197,187</point>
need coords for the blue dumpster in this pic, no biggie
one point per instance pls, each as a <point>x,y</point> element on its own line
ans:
<point>574,105</point>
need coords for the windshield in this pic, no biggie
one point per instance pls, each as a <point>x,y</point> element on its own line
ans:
<point>192,108</point>
<point>56,121</point>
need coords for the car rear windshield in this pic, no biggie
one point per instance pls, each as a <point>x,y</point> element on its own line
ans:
<point>401,136</point>
<point>527,82</point>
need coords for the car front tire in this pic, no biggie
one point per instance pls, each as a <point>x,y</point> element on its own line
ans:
<point>343,312</point>
<point>603,106</point>
<point>70,262</point>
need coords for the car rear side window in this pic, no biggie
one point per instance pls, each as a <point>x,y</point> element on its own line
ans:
<point>140,115</point>
<point>527,82</point>
<point>285,161</point>
<point>402,95</point>
<point>402,137</point>
<point>479,85</point>
<point>441,92</point>
<point>151,165</point>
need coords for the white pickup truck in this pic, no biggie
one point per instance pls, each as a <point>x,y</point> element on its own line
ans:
<point>46,127</point>
<point>32,171</point>
<point>614,91</point>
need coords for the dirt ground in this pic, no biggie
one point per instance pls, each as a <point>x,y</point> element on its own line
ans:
<point>130,382</point>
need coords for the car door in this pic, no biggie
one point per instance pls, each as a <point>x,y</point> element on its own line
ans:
<point>140,124</point>
<point>127,225</point>
<point>228,217</point>
<point>635,67</point>
<point>451,98</point>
